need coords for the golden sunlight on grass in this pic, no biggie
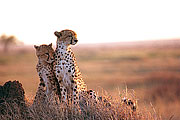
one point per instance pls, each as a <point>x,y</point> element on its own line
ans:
<point>150,71</point>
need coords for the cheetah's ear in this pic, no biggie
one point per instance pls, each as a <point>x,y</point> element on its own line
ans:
<point>50,45</point>
<point>36,47</point>
<point>57,34</point>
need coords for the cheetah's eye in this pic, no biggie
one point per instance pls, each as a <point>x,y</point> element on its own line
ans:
<point>47,54</point>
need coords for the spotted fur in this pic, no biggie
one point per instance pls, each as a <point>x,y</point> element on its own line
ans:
<point>91,94</point>
<point>66,68</point>
<point>48,87</point>
<point>130,103</point>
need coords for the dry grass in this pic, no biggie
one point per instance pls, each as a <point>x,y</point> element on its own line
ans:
<point>152,71</point>
<point>114,109</point>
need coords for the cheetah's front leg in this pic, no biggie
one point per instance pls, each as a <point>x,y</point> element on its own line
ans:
<point>75,95</point>
<point>63,91</point>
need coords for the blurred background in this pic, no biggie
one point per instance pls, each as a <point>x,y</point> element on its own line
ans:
<point>133,44</point>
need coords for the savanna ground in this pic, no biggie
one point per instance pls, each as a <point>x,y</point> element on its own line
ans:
<point>151,70</point>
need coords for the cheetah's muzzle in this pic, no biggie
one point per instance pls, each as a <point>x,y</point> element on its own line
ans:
<point>74,42</point>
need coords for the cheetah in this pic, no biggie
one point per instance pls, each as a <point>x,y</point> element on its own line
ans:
<point>129,103</point>
<point>48,88</point>
<point>67,72</point>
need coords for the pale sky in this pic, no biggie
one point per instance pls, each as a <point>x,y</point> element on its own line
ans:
<point>94,21</point>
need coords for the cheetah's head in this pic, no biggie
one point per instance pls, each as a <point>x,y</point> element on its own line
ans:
<point>68,37</point>
<point>45,53</point>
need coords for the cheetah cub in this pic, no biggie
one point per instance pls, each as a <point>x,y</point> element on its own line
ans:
<point>48,87</point>
<point>66,68</point>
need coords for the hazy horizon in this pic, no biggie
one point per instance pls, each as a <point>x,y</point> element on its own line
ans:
<point>34,23</point>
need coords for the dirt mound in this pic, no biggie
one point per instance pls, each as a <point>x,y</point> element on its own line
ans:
<point>12,90</point>
<point>12,100</point>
